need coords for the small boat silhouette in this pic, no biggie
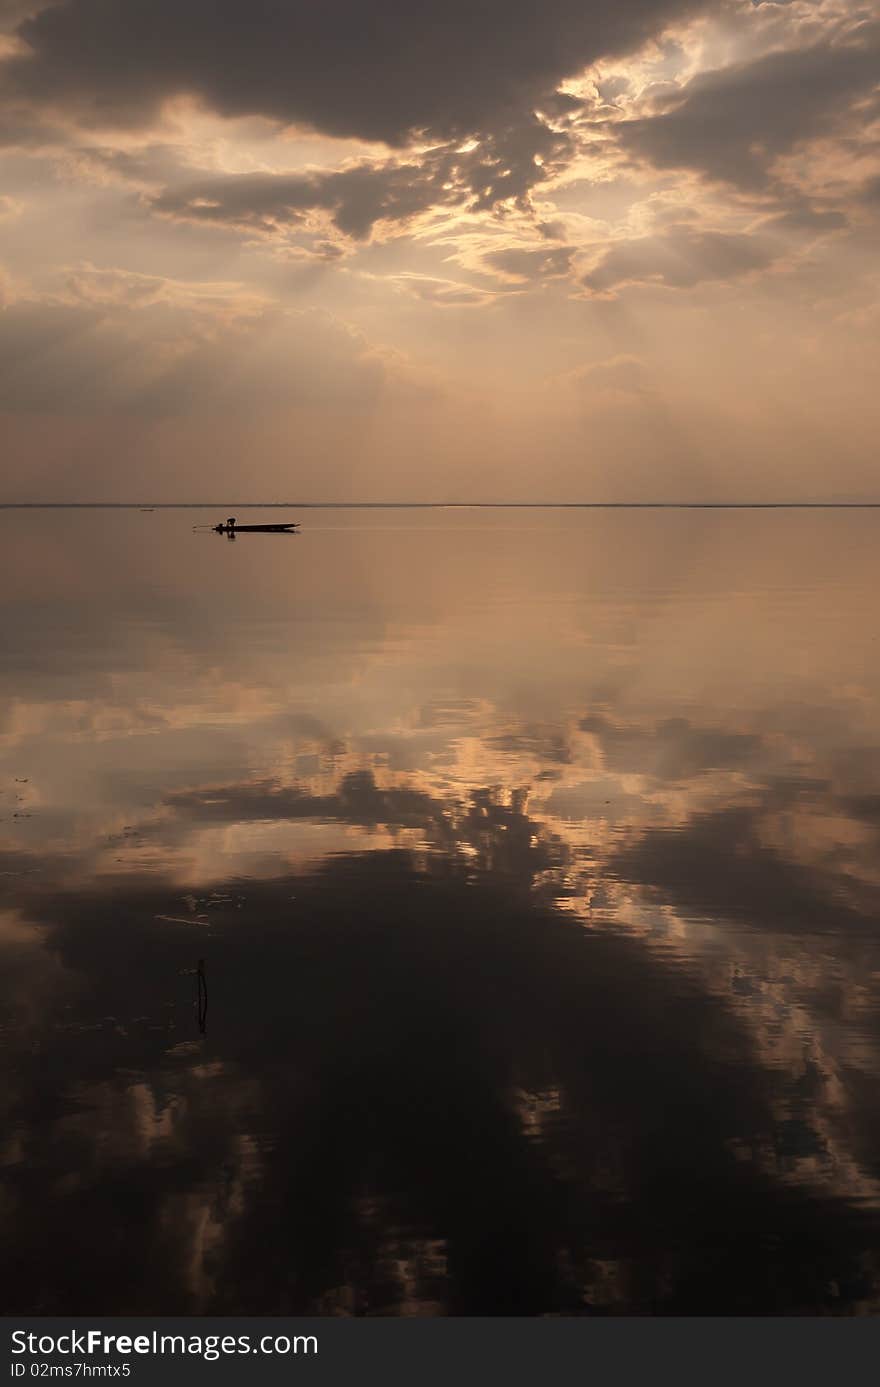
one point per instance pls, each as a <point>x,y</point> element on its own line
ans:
<point>230,528</point>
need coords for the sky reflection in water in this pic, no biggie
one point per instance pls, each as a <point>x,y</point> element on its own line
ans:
<point>532,857</point>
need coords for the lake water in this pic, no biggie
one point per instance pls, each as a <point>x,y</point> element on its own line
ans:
<point>531,858</point>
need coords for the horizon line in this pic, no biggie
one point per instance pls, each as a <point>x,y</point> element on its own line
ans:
<point>441,505</point>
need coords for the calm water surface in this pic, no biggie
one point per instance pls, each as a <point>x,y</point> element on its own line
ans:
<point>532,860</point>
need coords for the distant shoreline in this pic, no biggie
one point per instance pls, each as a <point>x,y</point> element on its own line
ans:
<point>439,505</point>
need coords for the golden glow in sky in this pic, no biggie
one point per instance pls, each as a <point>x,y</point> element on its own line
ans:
<point>440,257</point>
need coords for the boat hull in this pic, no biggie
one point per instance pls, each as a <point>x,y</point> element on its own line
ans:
<point>256,529</point>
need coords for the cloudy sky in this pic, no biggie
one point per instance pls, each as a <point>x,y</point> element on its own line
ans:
<point>445,251</point>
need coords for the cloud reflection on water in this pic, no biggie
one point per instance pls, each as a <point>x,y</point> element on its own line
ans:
<point>538,908</point>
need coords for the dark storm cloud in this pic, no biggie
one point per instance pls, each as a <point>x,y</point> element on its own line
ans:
<point>681,259</point>
<point>377,71</point>
<point>12,12</point>
<point>869,193</point>
<point>500,167</point>
<point>356,198</point>
<point>531,264</point>
<point>803,218</point>
<point>731,124</point>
